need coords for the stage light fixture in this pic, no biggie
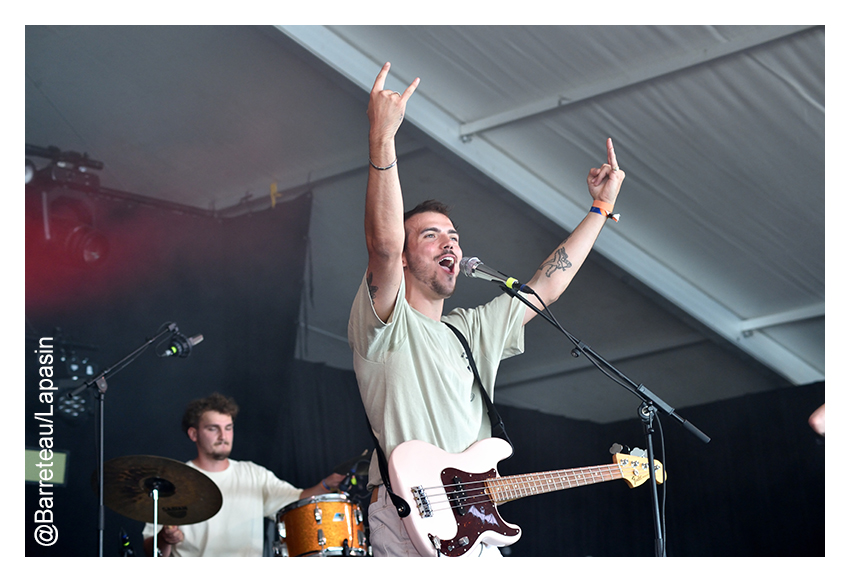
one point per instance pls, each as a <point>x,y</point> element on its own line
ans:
<point>77,370</point>
<point>68,220</point>
<point>70,232</point>
<point>67,167</point>
<point>74,408</point>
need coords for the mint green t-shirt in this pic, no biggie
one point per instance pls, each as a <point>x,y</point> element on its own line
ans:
<point>413,374</point>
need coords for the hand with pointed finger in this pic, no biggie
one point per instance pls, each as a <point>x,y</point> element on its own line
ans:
<point>604,182</point>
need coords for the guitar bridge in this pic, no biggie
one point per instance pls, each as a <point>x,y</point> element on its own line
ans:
<point>422,502</point>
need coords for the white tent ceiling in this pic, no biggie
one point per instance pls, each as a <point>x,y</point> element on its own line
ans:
<point>711,286</point>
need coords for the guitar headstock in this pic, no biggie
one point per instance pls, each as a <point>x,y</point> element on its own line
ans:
<point>635,470</point>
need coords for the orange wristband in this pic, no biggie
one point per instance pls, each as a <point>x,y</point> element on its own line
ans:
<point>604,209</point>
<point>609,208</point>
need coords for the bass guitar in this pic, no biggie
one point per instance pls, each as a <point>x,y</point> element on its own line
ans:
<point>453,497</point>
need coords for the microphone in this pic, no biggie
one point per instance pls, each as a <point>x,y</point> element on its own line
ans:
<point>180,345</point>
<point>473,267</point>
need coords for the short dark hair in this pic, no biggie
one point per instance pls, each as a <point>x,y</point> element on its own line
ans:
<point>215,401</point>
<point>427,206</point>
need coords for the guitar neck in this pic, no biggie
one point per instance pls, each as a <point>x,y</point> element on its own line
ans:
<point>504,489</point>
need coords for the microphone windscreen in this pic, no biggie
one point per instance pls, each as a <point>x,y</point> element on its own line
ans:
<point>468,265</point>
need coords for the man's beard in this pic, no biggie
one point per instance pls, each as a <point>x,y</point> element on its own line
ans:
<point>220,456</point>
<point>440,288</point>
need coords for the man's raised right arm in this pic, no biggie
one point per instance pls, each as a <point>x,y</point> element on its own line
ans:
<point>384,221</point>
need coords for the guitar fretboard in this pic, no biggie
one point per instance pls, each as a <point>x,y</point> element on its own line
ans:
<point>504,489</point>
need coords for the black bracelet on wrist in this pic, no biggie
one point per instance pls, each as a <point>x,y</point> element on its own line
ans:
<point>379,167</point>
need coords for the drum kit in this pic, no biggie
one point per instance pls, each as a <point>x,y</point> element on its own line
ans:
<point>163,491</point>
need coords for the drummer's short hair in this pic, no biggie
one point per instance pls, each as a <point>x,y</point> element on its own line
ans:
<point>215,401</point>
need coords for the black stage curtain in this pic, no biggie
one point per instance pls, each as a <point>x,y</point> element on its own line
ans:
<point>236,281</point>
<point>321,424</point>
<point>757,489</point>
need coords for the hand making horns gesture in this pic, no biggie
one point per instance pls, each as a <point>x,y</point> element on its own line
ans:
<point>604,182</point>
<point>386,107</point>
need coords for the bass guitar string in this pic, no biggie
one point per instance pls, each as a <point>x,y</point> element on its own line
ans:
<point>518,486</point>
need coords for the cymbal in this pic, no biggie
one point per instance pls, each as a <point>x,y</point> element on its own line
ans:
<point>361,461</point>
<point>185,494</point>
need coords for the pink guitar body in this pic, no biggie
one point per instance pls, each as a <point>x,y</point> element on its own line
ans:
<point>451,510</point>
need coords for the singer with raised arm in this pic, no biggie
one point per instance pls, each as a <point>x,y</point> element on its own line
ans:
<point>412,371</point>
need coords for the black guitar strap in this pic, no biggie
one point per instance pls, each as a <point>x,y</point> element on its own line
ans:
<point>400,504</point>
<point>496,424</point>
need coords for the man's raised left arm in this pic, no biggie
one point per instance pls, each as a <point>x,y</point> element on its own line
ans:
<point>557,271</point>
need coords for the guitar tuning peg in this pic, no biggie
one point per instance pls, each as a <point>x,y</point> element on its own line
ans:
<point>617,448</point>
<point>638,452</point>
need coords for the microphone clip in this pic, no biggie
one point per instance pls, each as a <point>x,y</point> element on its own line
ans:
<point>180,346</point>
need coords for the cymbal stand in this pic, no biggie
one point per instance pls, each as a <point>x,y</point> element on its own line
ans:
<point>155,495</point>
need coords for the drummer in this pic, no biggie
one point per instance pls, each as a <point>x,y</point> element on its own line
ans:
<point>249,492</point>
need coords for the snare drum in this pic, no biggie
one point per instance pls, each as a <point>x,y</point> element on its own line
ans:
<point>324,525</point>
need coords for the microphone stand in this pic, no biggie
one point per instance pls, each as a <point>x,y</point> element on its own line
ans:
<point>650,405</point>
<point>100,382</point>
